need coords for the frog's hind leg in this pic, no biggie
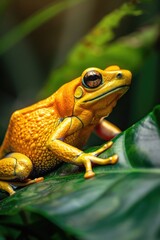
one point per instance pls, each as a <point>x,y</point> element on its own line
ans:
<point>15,167</point>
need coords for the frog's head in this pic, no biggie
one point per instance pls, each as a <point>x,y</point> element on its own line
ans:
<point>100,89</point>
<point>96,90</point>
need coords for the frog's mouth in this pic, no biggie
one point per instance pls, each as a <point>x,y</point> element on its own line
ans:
<point>123,87</point>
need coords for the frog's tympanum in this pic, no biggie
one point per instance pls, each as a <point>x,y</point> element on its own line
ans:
<point>53,130</point>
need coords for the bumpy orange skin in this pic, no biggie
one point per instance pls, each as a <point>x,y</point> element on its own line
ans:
<point>55,129</point>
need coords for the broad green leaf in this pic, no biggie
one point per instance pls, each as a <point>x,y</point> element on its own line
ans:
<point>33,22</point>
<point>121,200</point>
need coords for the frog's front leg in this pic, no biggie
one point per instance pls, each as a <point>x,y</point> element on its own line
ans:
<point>72,154</point>
<point>15,167</point>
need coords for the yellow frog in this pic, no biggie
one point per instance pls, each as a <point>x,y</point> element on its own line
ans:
<point>55,129</point>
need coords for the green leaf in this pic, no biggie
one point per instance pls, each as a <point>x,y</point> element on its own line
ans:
<point>32,23</point>
<point>121,200</point>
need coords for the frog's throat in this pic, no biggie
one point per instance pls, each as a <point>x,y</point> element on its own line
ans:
<point>123,87</point>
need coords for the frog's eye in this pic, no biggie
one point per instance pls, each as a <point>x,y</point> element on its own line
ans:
<point>119,75</point>
<point>92,79</point>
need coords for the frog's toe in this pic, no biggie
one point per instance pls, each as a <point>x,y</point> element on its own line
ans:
<point>114,159</point>
<point>102,149</point>
<point>89,174</point>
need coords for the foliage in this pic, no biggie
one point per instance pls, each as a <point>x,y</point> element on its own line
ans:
<point>19,32</point>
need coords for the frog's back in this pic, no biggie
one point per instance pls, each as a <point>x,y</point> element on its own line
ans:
<point>30,131</point>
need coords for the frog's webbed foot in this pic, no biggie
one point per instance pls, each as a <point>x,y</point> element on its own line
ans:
<point>14,170</point>
<point>88,158</point>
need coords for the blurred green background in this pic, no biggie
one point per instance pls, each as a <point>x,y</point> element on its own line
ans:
<point>44,43</point>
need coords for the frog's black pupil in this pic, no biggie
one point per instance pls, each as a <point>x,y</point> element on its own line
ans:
<point>92,79</point>
<point>119,75</point>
